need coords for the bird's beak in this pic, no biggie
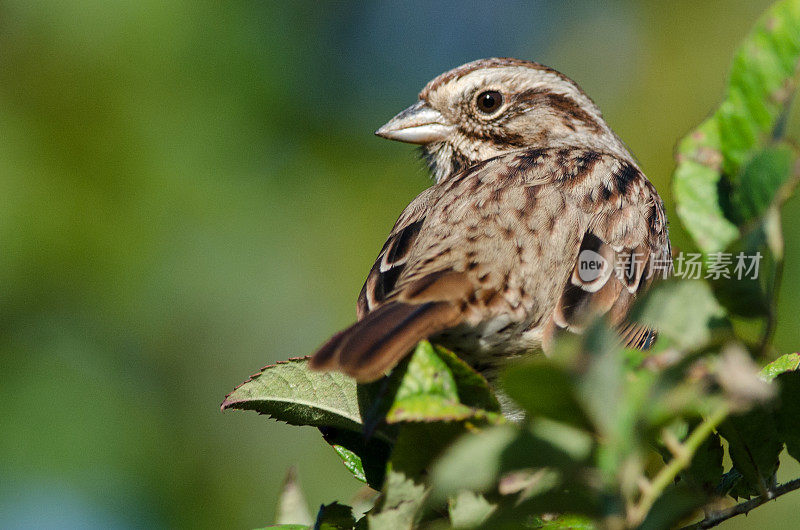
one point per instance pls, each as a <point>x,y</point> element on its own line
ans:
<point>418,124</point>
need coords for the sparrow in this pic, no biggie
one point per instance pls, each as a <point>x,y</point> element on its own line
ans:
<point>538,221</point>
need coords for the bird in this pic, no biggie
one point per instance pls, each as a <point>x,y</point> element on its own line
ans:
<point>539,220</point>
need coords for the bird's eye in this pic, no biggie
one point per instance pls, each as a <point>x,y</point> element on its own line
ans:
<point>489,101</point>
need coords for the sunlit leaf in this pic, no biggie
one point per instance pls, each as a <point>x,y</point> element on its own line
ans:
<point>364,457</point>
<point>473,389</point>
<point>428,390</point>
<point>762,81</point>
<point>784,363</point>
<point>696,183</point>
<point>289,391</point>
<point>468,509</point>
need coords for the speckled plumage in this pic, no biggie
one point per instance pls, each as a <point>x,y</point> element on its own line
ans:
<point>484,261</point>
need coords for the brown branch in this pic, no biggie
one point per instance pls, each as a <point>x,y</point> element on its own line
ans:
<point>715,518</point>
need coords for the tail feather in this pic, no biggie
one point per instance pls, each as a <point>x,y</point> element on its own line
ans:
<point>368,348</point>
<point>637,336</point>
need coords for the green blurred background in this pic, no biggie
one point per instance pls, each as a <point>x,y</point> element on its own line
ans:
<point>192,191</point>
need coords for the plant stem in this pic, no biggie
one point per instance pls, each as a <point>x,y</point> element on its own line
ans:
<point>715,518</point>
<point>667,475</point>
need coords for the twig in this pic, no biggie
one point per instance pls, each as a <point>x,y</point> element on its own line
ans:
<point>715,518</point>
<point>667,475</point>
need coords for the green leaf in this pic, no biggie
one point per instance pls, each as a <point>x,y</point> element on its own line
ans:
<point>602,381</point>
<point>576,443</point>
<point>784,363</point>
<point>684,311</point>
<point>292,506</point>
<point>468,509</point>
<point>364,457</point>
<point>399,503</point>
<point>404,491</point>
<point>755,439</point>
<point>754,447</point>
<point>544,389</point>
<point>751,292</point>
<point>473,389</point>
<point>675,504</point>
<point>481,453</point>
<point>788,414</point>
<point>419,444</point>
<point>428,390</point>
<point>760,181</point>
<point>427,374</point>
<point>428,408</point>
<point>764,184</point>
<point>762,81</point>
<point>501,449</point>
<point>289,391</point>
<point>696,183</point>
<point>351,461</point>
<point>335,516</point>
<point>705,472</point>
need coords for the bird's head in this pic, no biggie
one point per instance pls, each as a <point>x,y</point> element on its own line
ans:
<point>491,106</point>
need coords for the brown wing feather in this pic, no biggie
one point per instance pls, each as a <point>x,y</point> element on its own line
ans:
<point>393,256</point>
<point>371,346</point>
<point>387,333</point>
<point>627,234</point>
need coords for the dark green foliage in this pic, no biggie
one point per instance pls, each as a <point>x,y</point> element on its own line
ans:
<point>787,419</point>
<point>334,516</point>
<point>704,474</point>
<point>675,504</point>
<point>556,396</point>
<point>754,446</point>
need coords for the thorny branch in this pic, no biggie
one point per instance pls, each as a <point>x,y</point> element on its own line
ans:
<point>715,518</point>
